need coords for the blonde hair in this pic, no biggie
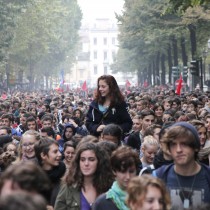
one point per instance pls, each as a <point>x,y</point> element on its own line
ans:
<point>150,140</point>
<point>138,187</point>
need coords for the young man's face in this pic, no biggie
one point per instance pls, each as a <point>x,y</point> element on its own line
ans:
<point>46,123</point>
<point>147,121</point>
<point>31,125</point>
<point>3,132</point>
<point>181,152</point>
<point>5,122</point>
<point>69,133</point>
<point>166,105</point>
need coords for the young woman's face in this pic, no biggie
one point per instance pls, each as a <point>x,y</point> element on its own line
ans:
<point>159,112</point>
<point>123,178</point>
<point>11,148</point>
<point>52,158</point>
<point>103,88</point>
<point>77,114</point>
<point>69,153</point>
<point>28,142</point>
<point>149,152</point>
<point>136,125</point>
<point>88,163</point>
<point>153,200</point>
<point>202,135</point>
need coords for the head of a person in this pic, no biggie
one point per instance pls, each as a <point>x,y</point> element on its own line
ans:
<point>113,133</point>
<point>31,124</point>
<point>90,161</point>
<point>68,132</point>
<point>180,137</point>
<point>6,120</point>
<point>107,87</point>
<point>153,130</point>
<point>136,123</point>
<point>5,130</point>
<point>158,110</point>
<point>166,104</point>
<point>27,177</point>
<point>150,148</point>
<point>47,153</point>
<point>69,148</point>
<point>47,132</point>
<point>201,129</point>
<point>141,105</point>
<point>28,140</point>
<point>11,148</point>
<point>125,165</point>
<point>147,193</point>
<point>21,201</point>
<point>47,121</point>
<point>148,118</point>
<point>207,122</point>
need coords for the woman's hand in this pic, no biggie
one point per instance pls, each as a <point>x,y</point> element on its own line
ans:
<point>100,128</point>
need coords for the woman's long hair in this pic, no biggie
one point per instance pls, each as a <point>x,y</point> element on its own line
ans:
<point>115,94</point>
<point>103,176</point>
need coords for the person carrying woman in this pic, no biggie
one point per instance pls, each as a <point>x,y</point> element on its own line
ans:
<point>108,107</point>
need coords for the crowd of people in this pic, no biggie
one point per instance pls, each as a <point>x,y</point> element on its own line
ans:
<point>113,149</point>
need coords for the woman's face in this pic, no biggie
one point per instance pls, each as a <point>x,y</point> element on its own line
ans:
<point>77,114</point>
<point>149,152</point>
<point>156,133</point>
<point>207,123</point>
<point>153,200</point>
<point>28,142</point>
<point>69,153</point>
<point>103,88</point>
<point>11,148</point>
<point>159,111</point>
<point>136,125</point>
<point>88,163</point>
<point>202,135</point>
<point>123,178</point>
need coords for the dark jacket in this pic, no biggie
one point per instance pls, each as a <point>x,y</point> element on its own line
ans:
<point>102,203</point>
<point>118,115</point>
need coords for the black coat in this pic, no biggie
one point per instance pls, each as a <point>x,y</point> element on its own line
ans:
<point>118,115</point>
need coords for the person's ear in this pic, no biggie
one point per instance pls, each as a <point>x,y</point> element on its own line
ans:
<point>43,156</point>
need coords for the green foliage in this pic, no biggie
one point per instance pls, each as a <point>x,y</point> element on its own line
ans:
<point>46,32</point>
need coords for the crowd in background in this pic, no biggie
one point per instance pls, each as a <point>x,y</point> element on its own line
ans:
<point>95,152</point>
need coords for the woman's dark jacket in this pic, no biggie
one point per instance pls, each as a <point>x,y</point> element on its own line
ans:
<point>118,115</point>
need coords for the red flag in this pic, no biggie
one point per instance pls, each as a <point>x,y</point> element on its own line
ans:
<point>179,86</point>
<point>84,86</point>
<point>145,84</point>
<point>127,84</point>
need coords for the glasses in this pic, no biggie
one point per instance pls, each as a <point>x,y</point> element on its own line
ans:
<point>28,145</point>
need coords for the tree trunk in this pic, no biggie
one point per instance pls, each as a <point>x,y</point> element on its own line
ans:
<point>175,51</point>
<point>170,64</point>
<point>157,68</point>
<point>183,48</point>
<point>163,70</point>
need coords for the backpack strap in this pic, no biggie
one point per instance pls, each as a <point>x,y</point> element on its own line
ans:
<point>162,172</point>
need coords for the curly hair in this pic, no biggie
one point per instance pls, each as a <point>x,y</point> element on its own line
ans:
<point>115,94</point>
<point>103,177</point>
<point>138,187</point>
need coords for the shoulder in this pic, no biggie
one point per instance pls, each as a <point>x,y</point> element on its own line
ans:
<point>102,203</point>
<point>162,171</point>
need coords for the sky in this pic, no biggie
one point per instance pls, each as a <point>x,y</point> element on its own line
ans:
<point>92,9</point>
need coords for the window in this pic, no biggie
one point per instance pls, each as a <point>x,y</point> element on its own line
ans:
<point>95,69</point>
<point>105,41</point>
<point>95,41</point>
<point>105,70</point>
<point>105,55</point>
<point>95,55</point>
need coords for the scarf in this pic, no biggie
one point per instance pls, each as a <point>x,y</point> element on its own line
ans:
<point>117,195</point>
